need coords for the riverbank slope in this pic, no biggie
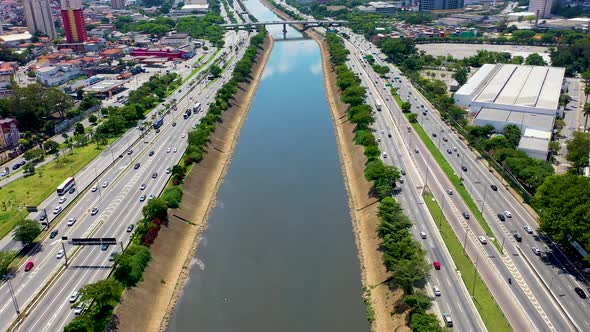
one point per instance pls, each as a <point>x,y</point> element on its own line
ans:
<point>149,306</point>
<point>363,207</point>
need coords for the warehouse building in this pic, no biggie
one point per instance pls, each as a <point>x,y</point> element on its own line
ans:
<point>525,96</point>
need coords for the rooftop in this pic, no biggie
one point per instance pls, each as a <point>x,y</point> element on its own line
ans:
<point>534,144</point>
<point>540,121</point>
<point>527,86</point>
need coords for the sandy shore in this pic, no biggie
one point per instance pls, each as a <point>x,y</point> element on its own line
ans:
<point>149,306</point>
<point>363,211</point>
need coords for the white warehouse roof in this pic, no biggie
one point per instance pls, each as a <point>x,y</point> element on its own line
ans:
<point>534,89</point>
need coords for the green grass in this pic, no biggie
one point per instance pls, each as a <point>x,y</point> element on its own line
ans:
<point>397,98</point>
<point>34,189</point>
<point>194,72</point>
<point>455,180</point>
<point>488,309</point>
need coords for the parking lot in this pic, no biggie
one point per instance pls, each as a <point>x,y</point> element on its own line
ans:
<point>460,51</point>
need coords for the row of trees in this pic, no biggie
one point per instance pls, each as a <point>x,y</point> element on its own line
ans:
<point>403,256</point>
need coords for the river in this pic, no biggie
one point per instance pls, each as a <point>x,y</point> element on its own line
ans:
<point>279,251</point>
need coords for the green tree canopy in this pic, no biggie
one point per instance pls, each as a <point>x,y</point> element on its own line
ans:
<point>26,231</point>
<point>578,150</point>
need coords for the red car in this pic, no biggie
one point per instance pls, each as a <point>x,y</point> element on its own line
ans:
<point>29,266</point>
<point>436,265</point>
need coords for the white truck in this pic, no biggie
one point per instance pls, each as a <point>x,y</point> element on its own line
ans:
<point>378,106</point>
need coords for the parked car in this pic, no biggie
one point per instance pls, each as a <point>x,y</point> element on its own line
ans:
<point>29,266</point>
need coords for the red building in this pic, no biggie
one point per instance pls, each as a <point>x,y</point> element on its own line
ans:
<point>73,20</point>
<point>169,54</point>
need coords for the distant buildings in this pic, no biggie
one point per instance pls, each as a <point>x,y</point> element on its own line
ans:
<point>38,17</point>
<point>73,20</point>
<point>430,5</point>
<point>58,74</point>
<point>542,8</point>
<point>9,134</point>
<point>118,4</point>
<point>525,96</point>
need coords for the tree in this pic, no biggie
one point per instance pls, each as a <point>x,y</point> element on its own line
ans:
<point>413,118</point>
<point>564,99</point>
<point>364,137</point>
<point>155,208</point>
<point>131,264</point>
<point>33,155</point>
<point>215,70</point>
<point>406,106</point>
<point>425,322</point>
<point>26,231</point>
<point>535,59</point>
<point>512,134</point>
<point>418,302</point>
<point>578,149</point>
<point>6,257</point>
<point>408,272</point>
<point>79,129</point>
<point>29,168</point>
<point>51,146</point>
<point>81,323</point>
<point>460,75</point>
<point>92,119</point>
<point>102,293</point>
<point>372,152</point>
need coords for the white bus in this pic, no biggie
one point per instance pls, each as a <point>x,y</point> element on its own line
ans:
<point>65,186</point>
<point>197,108</point>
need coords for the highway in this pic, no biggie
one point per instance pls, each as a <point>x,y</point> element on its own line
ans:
<point>119,205</point>
<point>520,263</point>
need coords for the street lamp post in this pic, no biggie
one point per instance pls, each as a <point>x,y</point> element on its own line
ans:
<point>12,294</point>
<point>475,276</point>
<point>465,239</point>
<point>485,190</point>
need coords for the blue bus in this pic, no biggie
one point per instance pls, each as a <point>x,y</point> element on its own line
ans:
<point>158,123</point>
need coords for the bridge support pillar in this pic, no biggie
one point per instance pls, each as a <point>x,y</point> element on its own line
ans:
<point>284,30</point>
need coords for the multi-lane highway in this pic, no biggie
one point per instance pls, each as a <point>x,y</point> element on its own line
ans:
<point>47,308</point>
<point>521,264</point>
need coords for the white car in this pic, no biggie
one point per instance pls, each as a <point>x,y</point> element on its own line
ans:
<point>95,188</point>
<point>105,184</point>
<point>384,155</point>
<point>449,191</point>
<point>71,221</point>
<point>142,187</point>
<point>57,209</point>
<point>508,214</point>
<point>62,200</point>
<point>60,254</point>
<point>528,229</point>
<point>536,251</point>
<point>167,150</point>
<point>436,290</point>
<point>74,297</point>
<point>482,239</point>
<point>174,150</point>
<point>168,170</point>
<point>379,139</point>
<point>423,235</point>
<point>79,308</point>
<point>183,135</point>
<point>142,198</point>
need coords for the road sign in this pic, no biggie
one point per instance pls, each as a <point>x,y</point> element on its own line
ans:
<point>93,241</point>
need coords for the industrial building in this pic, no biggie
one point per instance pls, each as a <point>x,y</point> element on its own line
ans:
<point>432,5</point>
<point>525,96</point>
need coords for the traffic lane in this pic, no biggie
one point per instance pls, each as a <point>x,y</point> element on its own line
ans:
<point>450,286</point>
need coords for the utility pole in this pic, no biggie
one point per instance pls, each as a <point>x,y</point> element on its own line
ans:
<point>63,247</point>
<point>12,294</point>
<point>485,190</point>
<point>465,239</point>
<point>474,277</point>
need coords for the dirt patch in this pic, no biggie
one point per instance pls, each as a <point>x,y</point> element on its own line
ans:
<point>149,306</point>
<point>362,207</point>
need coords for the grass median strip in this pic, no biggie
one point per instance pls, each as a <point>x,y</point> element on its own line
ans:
<point>456,181</point>
<point>196,70</point>
<point>488,309</point>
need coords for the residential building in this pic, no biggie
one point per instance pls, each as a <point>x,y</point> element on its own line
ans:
<point>7,70</point>
<point>38,17</point>
<point>118,4</point>
<point>430,5</point>
<point>73,20</point>
<point>57,75</point>
<point>542,8</point>
<point>9,133</point>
